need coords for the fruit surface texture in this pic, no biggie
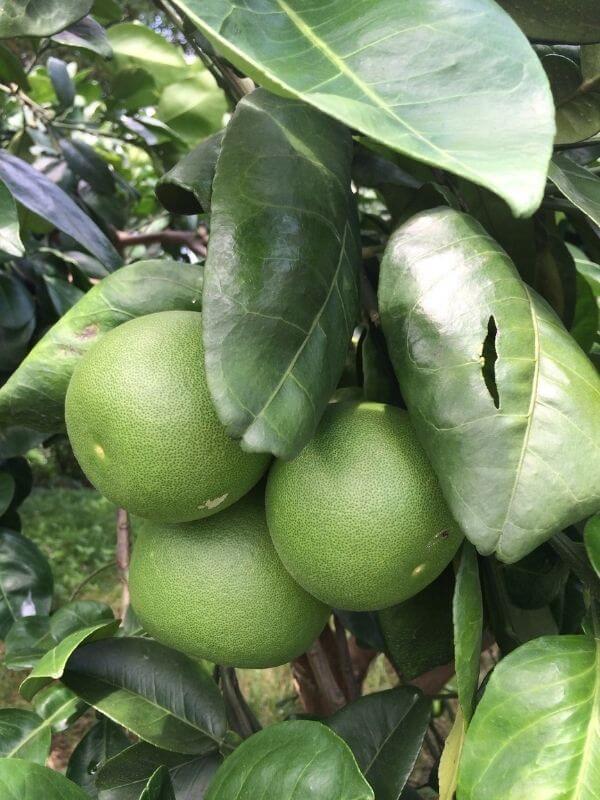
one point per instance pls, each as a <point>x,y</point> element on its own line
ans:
<point>358,518</point>
<point>143,428</point>
<point>216,589</point>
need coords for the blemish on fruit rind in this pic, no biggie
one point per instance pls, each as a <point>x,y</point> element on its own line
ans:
<point>214,502</point>
<point>99,451</point>
<point>418,570</point>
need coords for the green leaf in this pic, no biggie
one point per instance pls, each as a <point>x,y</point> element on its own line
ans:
<point>26,642</point>
<point>135,45</point>
<point>62,83</point>
<point>37,193</point>
<point>86,34</point>
<point>584,328</point>
<point>570,21</point>
<point>591,537</point>
<point>58,707</point>
<point>16,303</point>
<point>590,62</point>
<point>133,88</point>
<point>53,663</point>
<point>452,84</point>
<point>536,580</point>
<point>485,378</point>
<point>159,786</point>
<point>385,731</point>
<point>308,759</point>
<point>467,612</point>
<point>161,695</point>
<point>77,615</point>
<point>545,700</point>
<point>578,184</point>
<point>99,744</point>
<point>187,187</point>
<point>7,491</point>
<point>11,69</point>
<point>193,108</point>
<point>124,776</point>
<point>62,294</point>
<point>20,18</point>
<point>450,760</point>
<point>85,163</point>
<point>577,112</point>
<point>418,632</point>
<point>10,239</point>
<point>23,735</point>
<point>22,780</point>
<point>280,297</point>
<point>25,580</point>
<point>35,394</point>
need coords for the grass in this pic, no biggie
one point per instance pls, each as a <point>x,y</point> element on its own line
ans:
<point>75,528</point>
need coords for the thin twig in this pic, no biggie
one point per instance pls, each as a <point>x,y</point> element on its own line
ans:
<point>191,239</point>
<point>89,578</point>
<point>242,718</point>
<point>123,547</point>
<point>369,298</point>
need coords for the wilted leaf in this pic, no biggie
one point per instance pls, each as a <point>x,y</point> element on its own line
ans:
<point>23,735</point>
<point>486,377</point>
<point>37,193</point>
<point>394,70</point>
<point>544,698</point>
<point>279,310</point>
<point>20,18</point>
<point>161,695</point>
<point>35,393</point>
<point>385,731</point>
<point>187,187</point>
<point>22,780</point>
<point>308,759</point>
<point>25,580</point>
<point>571,21</point>
<point>86,34</point>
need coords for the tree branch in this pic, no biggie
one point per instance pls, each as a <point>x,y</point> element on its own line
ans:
<point>123,547</point>
<point>192,239</point>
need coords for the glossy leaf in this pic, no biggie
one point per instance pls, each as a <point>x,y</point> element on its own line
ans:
<point>193,107</point>
<point>16,304</point>
<point>77,615</point>
<point>99,744</point>
<point>58,707</point>
<point>536,580</point>
<point>577,112</point>
<point>545,699</point>
<point>385,731</point>
<point>592,541</point>
<point>486,378</point>
<point>571,21</point>
<point>23,735</point>
<point>10,238</point>
<point>22,780</point>
<point>308,759</point>
<point>418,632</point>
<point>85,34</point>
<point>584,328</point>
<point>34,395</point>
<point>85,163</point>
<point>279,310</point>
<point>37,193</point>
<point>394,70</point>
<point>25,580</point>
<point>578,184</point>
<point>159,786</point>
<point>187,187</point>
<point>19,18</point>
<point>160,694</point>
<point>26,642</point>
<point>52,665</point>
<point>11,69</point>
<point>7,491</point>
<point>62,83</point>
<point>124,776</point>
<point>467,611</point>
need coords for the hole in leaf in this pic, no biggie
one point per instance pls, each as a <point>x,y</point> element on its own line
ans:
<point>489,356</point>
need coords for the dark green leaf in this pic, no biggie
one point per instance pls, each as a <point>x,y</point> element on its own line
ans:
<point>52,665</point>
<point>592,541</point>
<point>307,758</point>
<point>160,694</point>
<point>554,273</point>
<point>574,21</point>
<point>107,11</point>
<point>11,69</point>
<point>279,310</point>
<point>187,187</point>
<point>21,18</point>
<point>23,735</point>
<point>584,328</point>
<point>21,472</point>
<point>124,776</point>
<point>85,162</point>
<point>77,615</point>
<point>379,382</point>
<point>63,295</point>
<point>385,731</point>
<point>364,625</point>
<point>395,71</point>
<point>159,786</point>
<point>577,112</point>
<point>37,193</point>
<point>86,34</point>
<point>25,580</point>
<point>58,707</point>
<point>35,393</point>
<point>27,641</point>
<point>62,83</point>
<point>485,378</point>
<point>14,343</point>
<point>418,632</point>
<point>536,580</point>
<point>7,491</point>
<point>544,699</point>
<point>22,780</point>
<point>578,184</point>
<point>467,612</point>
<point>100,743</point>
<point>16,304</point>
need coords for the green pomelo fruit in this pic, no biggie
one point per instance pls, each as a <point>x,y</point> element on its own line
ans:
<point>215,589</point>
<point>142,424</point>
<point>358,518</point>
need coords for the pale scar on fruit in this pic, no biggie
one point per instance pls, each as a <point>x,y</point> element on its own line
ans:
<point>99,451</point>
<point>215,502</point>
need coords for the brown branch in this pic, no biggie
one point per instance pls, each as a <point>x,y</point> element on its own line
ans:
<point>192,239</point>
<point>123,547</point>
<point>369,299</point>
<point>332,695</point>
<point>351,685</point>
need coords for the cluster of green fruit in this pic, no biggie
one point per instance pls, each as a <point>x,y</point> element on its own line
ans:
<point>233,569</point>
